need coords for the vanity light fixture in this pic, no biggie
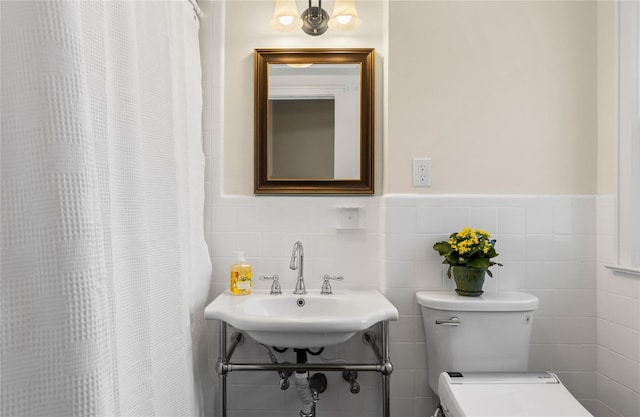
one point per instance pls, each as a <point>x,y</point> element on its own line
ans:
<point>315,20</point>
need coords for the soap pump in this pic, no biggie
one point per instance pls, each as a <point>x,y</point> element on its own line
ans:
<point>240,281</point>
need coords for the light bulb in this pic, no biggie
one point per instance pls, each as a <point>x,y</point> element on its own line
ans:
<point>343,20</point>
<point>345,16</point>
<point>286,20</point>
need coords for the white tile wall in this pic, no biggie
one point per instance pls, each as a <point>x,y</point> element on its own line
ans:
<point>541,255</point>
<point>394,252</point>
<point>618,324</point>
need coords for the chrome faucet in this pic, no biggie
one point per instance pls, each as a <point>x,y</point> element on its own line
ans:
<point>297,261</point>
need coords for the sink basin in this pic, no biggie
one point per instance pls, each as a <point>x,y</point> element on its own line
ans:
<point>302,321</point>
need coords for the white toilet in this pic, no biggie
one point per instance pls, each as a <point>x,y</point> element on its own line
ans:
<point>478,356</point>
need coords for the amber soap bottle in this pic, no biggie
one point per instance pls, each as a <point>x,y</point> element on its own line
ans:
<point>240,281</point>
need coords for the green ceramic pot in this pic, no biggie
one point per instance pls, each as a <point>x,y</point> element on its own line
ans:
<point>469,281</point>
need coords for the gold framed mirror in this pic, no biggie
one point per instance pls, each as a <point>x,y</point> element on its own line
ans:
<point>314,121</point>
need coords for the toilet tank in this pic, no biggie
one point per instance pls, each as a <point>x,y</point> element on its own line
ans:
<point>487,333</point>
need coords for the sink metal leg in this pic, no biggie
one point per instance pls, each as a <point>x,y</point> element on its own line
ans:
<point>222,370</point>
<point>386,372</point>
<point>223,363</point>
<point>385,363</point>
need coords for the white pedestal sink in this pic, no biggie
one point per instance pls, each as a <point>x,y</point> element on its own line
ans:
<point>302,321</point>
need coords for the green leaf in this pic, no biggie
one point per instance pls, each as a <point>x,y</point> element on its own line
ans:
<point>443,248</point>
<point>480,263</point>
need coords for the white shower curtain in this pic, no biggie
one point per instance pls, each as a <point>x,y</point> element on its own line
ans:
<point>105,271</point>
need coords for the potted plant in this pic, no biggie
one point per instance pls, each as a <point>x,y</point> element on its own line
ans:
<point>468,253</point>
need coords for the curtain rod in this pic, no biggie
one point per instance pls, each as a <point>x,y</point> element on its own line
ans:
<point>196,8</point>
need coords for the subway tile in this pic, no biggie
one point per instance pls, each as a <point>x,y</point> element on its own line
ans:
<point>403,299</point>
<point>430,240</point>
<point>401,200</point>
<point>402,355</point>
<point>455,218</point>
<point>224,219</point>
<point>399,274</point>
<point>402,330</point>
<point>249,243</point>
<point>540,248</point>
<point>274,245</point>
<point>420,356</point>
<point>511,220</point>
<point>619,368</point>
<point>619,309</point>
<point>510,276</point>
<point>400,247</point>
<point>419,328</point>
<point>616,396</point>
<point>606,249</point>
<point>582,385</point>
<point>541,357</point>
<point>574,330</point>
<point>400,220</point>
<point>512,248</point>
<point>428,276</point>
<point>350,402</point>
<point>402,406</point>
<point>574,302</point>
<point>542,331</point>
<point>574,357</point>
<point>539,220</point>
<point>425,406</point>
<point>619,284</point>
<point>404,384</point>
<point>485,218</point>
<point>619,339</point>
<point>567,248</point>
<point>545,307</point>
<point>429,220</point>
<point>423,250</point>
<point>421,380</point>
<point>606,224</point>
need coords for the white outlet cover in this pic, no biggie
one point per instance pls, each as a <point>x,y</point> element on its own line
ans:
<point>422,172</point>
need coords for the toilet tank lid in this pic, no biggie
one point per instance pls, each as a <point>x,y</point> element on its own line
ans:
<point>489,301</point>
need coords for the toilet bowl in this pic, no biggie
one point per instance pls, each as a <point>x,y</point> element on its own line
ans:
<point>506,394</point>
<point>478,357</point>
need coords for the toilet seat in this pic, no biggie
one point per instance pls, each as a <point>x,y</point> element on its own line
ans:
<point>506,394</point>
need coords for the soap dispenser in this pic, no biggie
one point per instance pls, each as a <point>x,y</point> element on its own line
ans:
<point>240,281</point>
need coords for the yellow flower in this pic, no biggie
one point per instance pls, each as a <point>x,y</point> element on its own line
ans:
<point>487,246</point>
<point>468,247</point>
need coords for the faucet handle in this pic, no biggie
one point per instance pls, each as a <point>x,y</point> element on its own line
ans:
<point>326,285</point>
<point>275,287</point>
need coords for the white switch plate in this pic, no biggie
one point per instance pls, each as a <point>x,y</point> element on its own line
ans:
<point>422,172</point>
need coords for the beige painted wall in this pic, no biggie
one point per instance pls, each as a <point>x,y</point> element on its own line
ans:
<point>501,95</point>
<point>607,98</point>
<point>247,28</point>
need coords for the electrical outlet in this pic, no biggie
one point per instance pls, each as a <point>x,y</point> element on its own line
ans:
<point>422,172</point>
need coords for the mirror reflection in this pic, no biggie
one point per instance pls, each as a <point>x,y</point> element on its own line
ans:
<point>314,121</point>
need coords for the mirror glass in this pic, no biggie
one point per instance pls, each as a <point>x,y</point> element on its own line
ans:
<point>314,121</point>
<point>314,115</point>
